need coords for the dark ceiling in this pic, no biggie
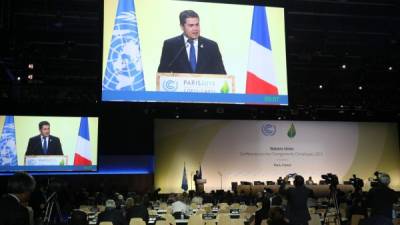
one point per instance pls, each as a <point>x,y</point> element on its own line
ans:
<point>63,40</point>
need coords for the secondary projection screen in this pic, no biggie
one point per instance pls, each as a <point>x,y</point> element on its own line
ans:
<point>264,150</point>
<point>240,56</point>
<point>45,143</point>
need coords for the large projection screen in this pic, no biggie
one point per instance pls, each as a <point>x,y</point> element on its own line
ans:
<point>264,150</point>
<point>71,144</point>
<point>250,40</point>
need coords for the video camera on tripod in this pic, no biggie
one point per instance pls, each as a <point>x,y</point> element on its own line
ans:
<point>331,179</point>
<point>357,183</point>
<point>52,208</point>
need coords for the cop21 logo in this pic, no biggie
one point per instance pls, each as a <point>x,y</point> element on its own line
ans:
<point>170,85</point>
<point>270,130</point>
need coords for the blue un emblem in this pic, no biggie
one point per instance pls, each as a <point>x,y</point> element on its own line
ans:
<point>268,129</point>
<point>124,67</point>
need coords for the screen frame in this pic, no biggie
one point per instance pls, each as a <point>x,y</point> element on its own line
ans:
<point>58,169</point>
<point>272,3</point>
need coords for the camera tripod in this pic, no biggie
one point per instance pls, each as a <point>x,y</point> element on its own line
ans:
<point>52,203</point>
<point>333,199</point>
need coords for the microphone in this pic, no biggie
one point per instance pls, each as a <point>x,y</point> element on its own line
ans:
<point>179,53</point>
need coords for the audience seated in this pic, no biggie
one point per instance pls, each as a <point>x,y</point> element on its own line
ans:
<point>376,220</point>
<point>111,214</point>
<point>179,207</point>
<point>78,217</point>
<point>136,209</point>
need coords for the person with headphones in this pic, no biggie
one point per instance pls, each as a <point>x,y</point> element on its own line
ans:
<point>297,197</point>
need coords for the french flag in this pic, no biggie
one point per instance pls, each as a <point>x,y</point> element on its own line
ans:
<point>261,75</point>
<point>82,151</point>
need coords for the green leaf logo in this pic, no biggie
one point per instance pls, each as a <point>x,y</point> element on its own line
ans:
<point>62,162</point>
<point>292,131</point>
<point>225,88</point>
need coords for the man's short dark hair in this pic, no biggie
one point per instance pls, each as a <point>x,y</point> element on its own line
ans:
<point>298,181</point>
<point>21,182</point>
<point>43,123</point>
<point>187,14</point>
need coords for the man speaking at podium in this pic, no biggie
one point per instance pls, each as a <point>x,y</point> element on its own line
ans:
<point>44,143</point>
<point>190,52</point>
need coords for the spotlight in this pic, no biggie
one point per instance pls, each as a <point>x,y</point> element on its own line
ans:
<point>344,66</point>
<point>341,106</point>
<point>30,77</point>
<point>177,116</point>
<point>320,86</point>
<point>18,78</point>
<point>360,88</point>
<point>390,68</point>
<point>30,66</point>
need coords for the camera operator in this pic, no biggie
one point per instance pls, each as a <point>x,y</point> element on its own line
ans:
<point>357,199</point>
<point>381,197</point>
<point>297,209</point>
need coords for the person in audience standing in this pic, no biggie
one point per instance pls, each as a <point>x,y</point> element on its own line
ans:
<point>381,197</point>
<point>279,181</point>
<point>262,214</point>
<point>297,197</point>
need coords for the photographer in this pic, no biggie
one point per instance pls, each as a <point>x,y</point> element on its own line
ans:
<point>380,197</point>
<point>297,209</point>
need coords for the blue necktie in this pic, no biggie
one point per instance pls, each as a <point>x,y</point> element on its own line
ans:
<point>44,146</point>
<point>192,55</point>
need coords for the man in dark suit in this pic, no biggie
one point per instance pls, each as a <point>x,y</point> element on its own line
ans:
<point>297,209</point>
<point>13,209</point>
<point>381,197</point>
<point>196,176</point>
<point>44,143</point>
<point>190,52</point>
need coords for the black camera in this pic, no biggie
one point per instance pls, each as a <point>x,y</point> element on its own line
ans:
<point>357,183</point>
<point>331,179</point>
<point>375,182</point>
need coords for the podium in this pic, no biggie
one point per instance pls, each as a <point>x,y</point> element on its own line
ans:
<point>200,184</point>
<point>46,160</point>
<point>195,83</point>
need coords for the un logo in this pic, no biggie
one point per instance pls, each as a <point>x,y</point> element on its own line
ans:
<point>170,85</point>
<point>268,129</point>
<point>124,68</point>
